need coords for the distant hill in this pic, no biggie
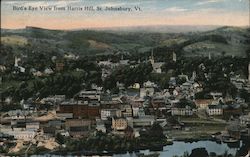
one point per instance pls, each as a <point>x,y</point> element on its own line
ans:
<point>188,41</point>
<point>229,41</point>
<point>159,28</point>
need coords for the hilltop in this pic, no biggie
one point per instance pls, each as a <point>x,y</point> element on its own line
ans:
<point>232,41</point>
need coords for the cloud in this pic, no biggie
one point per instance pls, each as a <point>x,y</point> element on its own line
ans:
<point>243,1</point>
<point>205,2</point>
<point>211,10</point>
<point>175,9</point>
<point>112,4</point>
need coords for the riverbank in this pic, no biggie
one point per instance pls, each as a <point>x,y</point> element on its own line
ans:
<point>178,148</point>
<point>195,132</point>
<point>154,139</point>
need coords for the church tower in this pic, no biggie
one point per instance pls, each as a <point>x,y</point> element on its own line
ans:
<point>174,57</point>
<point>16,61</point>
<point>151,58</point>
<point>193,76</point>
<point>249,73</point>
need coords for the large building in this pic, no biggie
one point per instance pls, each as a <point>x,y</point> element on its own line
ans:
<point>156,65</point>
<point>78,127</point>
<point>25,135</point>
<point>126,110</point>
<point>109,113</point>
<point>92,95</point>
<point>119,124</point>
<point>86,105</point>
<point>214,110</point>
<point>80,109</point>
<point>183,109</point>
<point>144,121</point>
<point>203,103</point>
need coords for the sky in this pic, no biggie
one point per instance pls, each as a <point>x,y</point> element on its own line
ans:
<point>153,12</point>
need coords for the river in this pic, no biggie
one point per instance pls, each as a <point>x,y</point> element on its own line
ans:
<point>177,148</point>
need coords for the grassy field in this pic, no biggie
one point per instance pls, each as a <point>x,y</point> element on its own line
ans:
<point>196,128</point>
<point>14,40</point>
<point>195,132</point>
<point>215,49</point>
<point>98,45</point>
<point>171,42</point>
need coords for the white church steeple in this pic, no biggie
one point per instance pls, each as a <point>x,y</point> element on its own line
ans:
<point>209,56</point>
<point>16,61</point>
<point>174,57</point>
<point>249,73</point>
<point>151,58</point>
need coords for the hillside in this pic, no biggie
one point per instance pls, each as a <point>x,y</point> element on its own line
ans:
<point>228,41</point>
<point>231,41</point>
<point>14,40</point>
<point>224,41</point>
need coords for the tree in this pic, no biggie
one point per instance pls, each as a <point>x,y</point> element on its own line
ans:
<point>245,95</point>
<point>156,131</point>
<point>60,138</point>
<point>223,53</point>
<point>199,152</point>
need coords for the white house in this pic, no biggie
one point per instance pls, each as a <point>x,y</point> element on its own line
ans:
<point>214,110</point>
<point>37,73</point>
<point>135,86</point>
<point>138,112</point>
<point>182,111</point>
<point>182,108</point>
<point>146,92</point>
<point>149,84</point>
<point>48,71</point>
<point>71,56</point>
<point>143,121</point>
<point>124,62</point>
<point>157,67</point>
<point>109,113</point>
<point>216,95</point>
<point>22,69</point>
<point>32,126</point>
<point>26,135</point>
<point>100,126</point>
<point>245,119</point>
<point>54,99</point>
<point>18,114</point>
<point>90,95</point>
<point>104,63</point>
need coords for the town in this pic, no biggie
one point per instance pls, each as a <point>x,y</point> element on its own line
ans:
<point>123,78</point>
<point>122,113</point>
